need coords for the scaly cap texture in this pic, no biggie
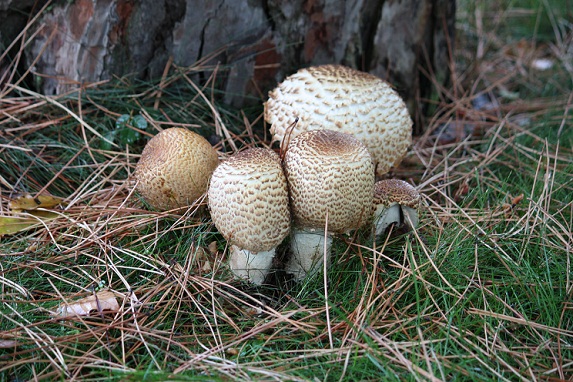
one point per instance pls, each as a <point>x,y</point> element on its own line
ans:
<point>395,191</point>
<point>339,98</point>
<point>329,173</point>
<point>174,168</point>
<point>248,199</point>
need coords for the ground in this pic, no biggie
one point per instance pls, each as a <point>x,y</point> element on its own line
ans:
<point>481,290</point>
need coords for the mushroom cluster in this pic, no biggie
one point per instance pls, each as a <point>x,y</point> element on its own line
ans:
<point>330,184</point>
<point>338,127</point>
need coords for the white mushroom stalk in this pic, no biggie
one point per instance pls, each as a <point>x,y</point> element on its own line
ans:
<point>331,182</point>
<point>339,98</point>
<point>395,202</point>
<point>248,200</point>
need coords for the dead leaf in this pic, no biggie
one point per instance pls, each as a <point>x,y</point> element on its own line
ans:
<point>13,224</point>
<point>103,300</point>
<point>508,208</point>
<point>28,205</point>
<point>213,248</point>
<point>28,202</point>
<point>10,225</point>
<point>515,201</point>
<point>5,344</point>
<point>203,260</point>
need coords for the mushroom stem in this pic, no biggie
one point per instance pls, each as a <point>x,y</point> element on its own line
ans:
<point>395,214</point>
<point>385,216</point>
<point>411,218</point>
<point>253,267</point>
<point>308,252</point>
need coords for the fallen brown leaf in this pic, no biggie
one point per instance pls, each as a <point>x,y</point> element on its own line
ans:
<point>5,344</point>
<point>98,302</point>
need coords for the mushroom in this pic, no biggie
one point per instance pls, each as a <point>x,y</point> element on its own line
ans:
<point>339,98</point>
<point>248,200</point>
<point>331,181</point>
<point>174,168</point>
<point>395,201</point>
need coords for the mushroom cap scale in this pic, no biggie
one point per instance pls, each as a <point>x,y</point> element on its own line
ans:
<point>330,176</point>
<point>396,191</point>
<point>174,168</point>
<point>248,200</point>
<point>343,99</point>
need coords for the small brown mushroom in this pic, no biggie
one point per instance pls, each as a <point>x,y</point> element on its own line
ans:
<point>395,201</point>
<point>174,168</point>
<point>339,98</point>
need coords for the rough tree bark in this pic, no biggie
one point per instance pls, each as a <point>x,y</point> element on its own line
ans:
<point>256,42</point>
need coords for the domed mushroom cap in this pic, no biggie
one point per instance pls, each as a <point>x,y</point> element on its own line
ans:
<point>329,173</point>
<point>343,99</point>
<point>396,191</point>
<point>248,199</point>
<point>174,168</point>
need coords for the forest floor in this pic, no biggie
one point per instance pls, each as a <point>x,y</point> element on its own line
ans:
<point>95,285</point>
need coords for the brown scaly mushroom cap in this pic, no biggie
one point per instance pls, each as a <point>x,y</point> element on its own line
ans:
<point>174,168</point>
<point>395,201</point>
<point>248,199</point>
<point>330,176</point>
<point>329,173</point>
<point>342,99</point>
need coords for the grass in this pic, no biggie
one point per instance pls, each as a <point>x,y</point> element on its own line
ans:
<point>482,290</point>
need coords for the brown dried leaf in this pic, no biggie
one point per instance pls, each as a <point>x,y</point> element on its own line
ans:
<point>103,300</point>
<point>213,248</point>
<point>515,201</point>
<point>5,344</point>
<point>203,260</point>
<point>508,208</point>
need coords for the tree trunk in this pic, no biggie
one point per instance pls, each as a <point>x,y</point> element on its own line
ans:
<point>256,42</point>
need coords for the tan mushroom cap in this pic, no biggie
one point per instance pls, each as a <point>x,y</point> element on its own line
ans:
<point>174,168</point>
<point>396,191</point>
<point>343,99</point>
<point>329,173</point>
<point>248,199</point>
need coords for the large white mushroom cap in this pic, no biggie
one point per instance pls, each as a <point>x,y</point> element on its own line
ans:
<point>339,98</point>
<point>248,199</point>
